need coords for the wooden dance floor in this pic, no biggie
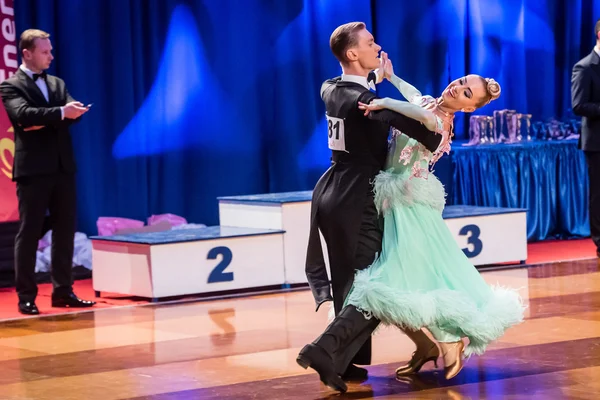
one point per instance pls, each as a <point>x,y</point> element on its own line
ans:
<point>245,348</point>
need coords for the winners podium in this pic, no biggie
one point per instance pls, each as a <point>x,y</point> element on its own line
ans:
<point>261,242</point>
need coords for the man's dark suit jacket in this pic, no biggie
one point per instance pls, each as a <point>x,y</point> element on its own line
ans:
<point>44,151</point>
<point>585,100</point>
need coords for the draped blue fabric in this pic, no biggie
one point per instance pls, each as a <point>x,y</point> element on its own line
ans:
<point>548,178</point>
<point>192,99</point>
<point>528,46</point>
<point>198,99</point>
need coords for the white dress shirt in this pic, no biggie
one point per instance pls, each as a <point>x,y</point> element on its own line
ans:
<point>361,80</point>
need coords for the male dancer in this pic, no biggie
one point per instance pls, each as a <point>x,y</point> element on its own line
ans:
<point>343,207</point>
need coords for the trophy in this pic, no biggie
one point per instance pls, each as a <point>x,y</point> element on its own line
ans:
<point>511,125</point>
<point>553,129</point>
<point>537,131</point>
<point>491,131</point>
<point>544,131</point>
<point>500,125</point>
<point>473,131</point>
<point>517,125</point>
<point>563,130</point>
<point>483,129</point>
<point>526,126</point>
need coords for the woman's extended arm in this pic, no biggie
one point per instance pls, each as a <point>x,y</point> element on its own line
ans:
<point>406,89</point>
<point>413,111</point>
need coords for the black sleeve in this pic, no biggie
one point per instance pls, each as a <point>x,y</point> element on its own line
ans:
<point>69,99</point>
<point>19,109</point>
<point>328,83</point>
<point>410,127</point>
<point>581,83</point>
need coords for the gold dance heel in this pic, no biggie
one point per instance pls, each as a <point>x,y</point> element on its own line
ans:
<point>418,360</point>
<point>452,369</point>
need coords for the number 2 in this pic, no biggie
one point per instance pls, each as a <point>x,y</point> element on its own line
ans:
<point>331,127</point>
<point>473,239</point>
<point>217,274</point>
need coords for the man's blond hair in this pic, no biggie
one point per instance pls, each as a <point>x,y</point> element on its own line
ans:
<point>27,40</point>
<point>344,37</point>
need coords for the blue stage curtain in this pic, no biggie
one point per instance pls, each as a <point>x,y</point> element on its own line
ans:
<point>199,99</point>
<point>528,46</point>
<point>192,99</point>
<point>548,178</point>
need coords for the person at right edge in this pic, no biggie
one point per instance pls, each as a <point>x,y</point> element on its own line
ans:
<point>585,102</point>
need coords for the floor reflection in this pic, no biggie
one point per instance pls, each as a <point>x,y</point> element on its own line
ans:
<point>246,348</point>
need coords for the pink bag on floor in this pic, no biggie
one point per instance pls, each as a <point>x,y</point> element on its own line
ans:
<point>109,225</point>
<point>174,220</point>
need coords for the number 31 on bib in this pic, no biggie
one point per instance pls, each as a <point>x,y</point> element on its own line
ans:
<point>335,132</point>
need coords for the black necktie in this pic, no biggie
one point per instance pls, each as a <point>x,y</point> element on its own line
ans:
<point>40,75</point>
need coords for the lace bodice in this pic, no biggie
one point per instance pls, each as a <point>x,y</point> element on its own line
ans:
<point>408,155</point>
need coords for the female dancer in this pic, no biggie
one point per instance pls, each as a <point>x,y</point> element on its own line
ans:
<point>422,278</point>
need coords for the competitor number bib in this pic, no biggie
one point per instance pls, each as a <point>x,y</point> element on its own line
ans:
<point>335,133</point>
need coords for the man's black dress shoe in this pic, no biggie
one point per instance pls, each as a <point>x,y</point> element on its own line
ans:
<point>355,374</point>
<point>28,308</point>
<point>315,357</point>
<point>71,300</point>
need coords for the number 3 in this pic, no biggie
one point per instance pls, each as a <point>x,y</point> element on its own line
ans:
<point>217,274</point>
<point>473,240</point>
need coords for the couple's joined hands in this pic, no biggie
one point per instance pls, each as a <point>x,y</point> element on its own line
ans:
<point>385,71</point>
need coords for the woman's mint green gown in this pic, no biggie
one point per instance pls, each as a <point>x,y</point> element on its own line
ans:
<point>422,278</point>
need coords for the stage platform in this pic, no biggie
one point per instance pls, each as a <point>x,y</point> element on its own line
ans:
<point>261,242</point>
<point>180,262</point>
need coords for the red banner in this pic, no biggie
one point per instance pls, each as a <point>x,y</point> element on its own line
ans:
<point>8,66</point>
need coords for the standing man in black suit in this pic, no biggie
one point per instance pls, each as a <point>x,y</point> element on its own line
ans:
<point>585,101</point>
<point>41,110</point>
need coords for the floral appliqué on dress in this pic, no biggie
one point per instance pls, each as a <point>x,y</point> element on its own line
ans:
<point>418,152</point>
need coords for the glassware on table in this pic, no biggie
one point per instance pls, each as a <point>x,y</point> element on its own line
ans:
<point>573,129</point>
<point>474,132</point>
<point>563,129</point>
<point>526,127</point>
<point>511,124</point>
<point>483,129</point>
<point>576,123</point>
<point>500,125</point>
<point>490,129</point>
<point>517,123</point>
<point>479,130</point>
<point>535,130</point>
<point>545,131</point>
<point>554,129</point>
